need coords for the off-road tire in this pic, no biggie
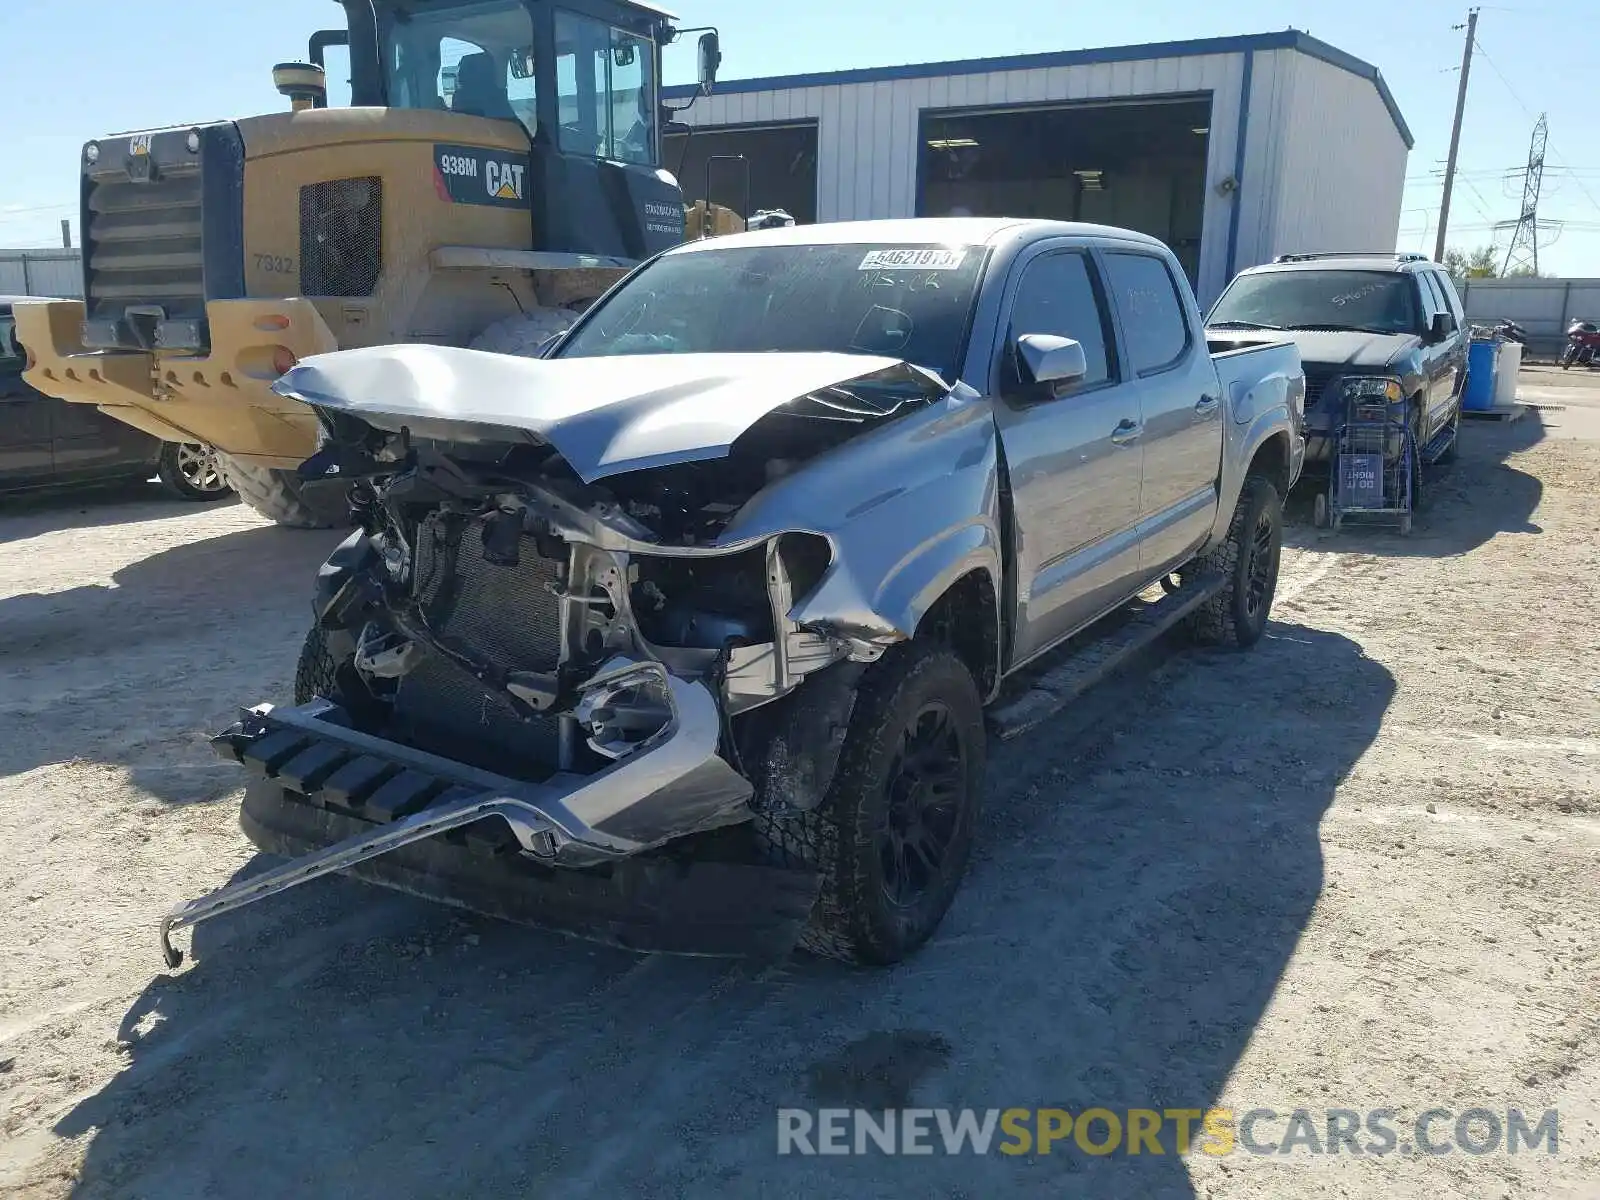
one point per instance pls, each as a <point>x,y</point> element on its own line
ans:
<point>191,472</point>
<point>1228,618</point>
<point>315,674</point>
<point>280,496</point>
<point>854,919</point>
<point>523,334</point>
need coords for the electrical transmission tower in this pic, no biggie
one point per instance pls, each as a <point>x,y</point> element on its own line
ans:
<point>1524,249</point>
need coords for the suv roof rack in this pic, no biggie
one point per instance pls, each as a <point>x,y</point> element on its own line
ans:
<point>1397,255</point>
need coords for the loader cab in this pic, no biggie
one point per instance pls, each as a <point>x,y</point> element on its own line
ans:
<point>581,78</point>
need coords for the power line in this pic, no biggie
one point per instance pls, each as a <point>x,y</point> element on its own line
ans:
<point>1513,91</point>
<point>7,213</point>
<point>1582,187</point>
<point>1493,67</point>
<point>1482,208</point>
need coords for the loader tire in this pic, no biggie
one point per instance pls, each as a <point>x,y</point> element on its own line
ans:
<point>1248,561</point>
<point>892,837</point>
<point>281,497</point>
<point>525,333</point>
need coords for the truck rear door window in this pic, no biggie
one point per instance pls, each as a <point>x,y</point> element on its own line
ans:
<point>1153,321</point>
<point>1058,295</point>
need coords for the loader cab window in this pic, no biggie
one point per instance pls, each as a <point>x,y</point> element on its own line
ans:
<point>606,90</point>
<point>475,59</point>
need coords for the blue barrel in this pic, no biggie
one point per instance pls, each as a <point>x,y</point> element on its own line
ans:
<point>1479,392</point>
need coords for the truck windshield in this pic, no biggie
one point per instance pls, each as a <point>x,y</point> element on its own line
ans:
<point>468,58</point>
<point>911,302</point>
<point>1376,301</point>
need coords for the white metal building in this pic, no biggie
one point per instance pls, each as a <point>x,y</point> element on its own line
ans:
<point>1231,150</point>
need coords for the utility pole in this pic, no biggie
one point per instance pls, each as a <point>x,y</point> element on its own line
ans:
<point>1455,134</point>
<point>66,234</point>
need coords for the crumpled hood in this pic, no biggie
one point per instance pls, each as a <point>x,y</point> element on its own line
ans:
<point>1351,348</point>
<point>604,416</point>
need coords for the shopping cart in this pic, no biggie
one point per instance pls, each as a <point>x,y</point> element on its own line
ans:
<point>1369,473</point>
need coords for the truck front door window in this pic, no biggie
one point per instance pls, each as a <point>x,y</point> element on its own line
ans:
<point>1153,322</point>
<point>606,91</point>
<point>1058,295</point>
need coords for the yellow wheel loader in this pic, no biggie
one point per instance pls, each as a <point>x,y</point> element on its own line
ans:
<point>498,169</point>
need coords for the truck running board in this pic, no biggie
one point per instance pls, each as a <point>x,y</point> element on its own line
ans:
<point>1086,663</point>
<point>1441,443</point>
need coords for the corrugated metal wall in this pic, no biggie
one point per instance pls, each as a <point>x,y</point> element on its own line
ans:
<point>1544,307</point>
<point>41,273</point>
<point>868,132</point>
<point>1340,162</point>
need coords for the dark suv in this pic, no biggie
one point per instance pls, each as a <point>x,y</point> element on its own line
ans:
<point>47,443</point>
<point>1366,324</point>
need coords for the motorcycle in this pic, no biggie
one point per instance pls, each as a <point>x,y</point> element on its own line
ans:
<point>1512,332</point>
<point>1583,339</point>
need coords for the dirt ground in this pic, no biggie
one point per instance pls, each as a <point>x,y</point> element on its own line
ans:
<point>1358,867</point>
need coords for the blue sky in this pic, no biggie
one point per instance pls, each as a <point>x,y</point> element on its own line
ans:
<point>100,66</point>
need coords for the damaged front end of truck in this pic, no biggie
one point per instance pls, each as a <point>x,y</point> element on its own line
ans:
<point>600,614</point>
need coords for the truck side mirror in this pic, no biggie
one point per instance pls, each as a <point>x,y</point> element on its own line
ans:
<point>710,59</point>
<point>1046,358</point>
<point>1444,324</point>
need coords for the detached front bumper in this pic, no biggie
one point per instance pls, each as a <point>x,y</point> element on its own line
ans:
<point>354,798</point>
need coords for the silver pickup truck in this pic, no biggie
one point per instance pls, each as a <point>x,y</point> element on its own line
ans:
<point>680,635</point>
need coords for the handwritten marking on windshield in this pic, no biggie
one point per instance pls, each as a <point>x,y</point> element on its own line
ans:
<point>1358,294</point>
<point>918,281</point>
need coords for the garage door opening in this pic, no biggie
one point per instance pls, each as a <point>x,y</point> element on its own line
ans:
<point>782,161</point>
<point>1137,164</point>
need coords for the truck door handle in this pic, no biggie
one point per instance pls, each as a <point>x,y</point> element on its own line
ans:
<point>1206,405</point>
<point>1126,433</point>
